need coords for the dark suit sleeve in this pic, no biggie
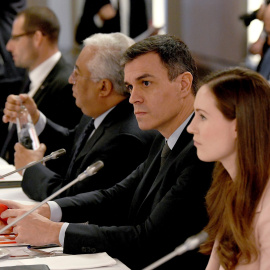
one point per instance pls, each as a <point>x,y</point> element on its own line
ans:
<point>121,155</point>
<point>172,217</point>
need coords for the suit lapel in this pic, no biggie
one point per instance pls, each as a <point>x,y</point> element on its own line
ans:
<point>91,142</point>
<point>181,143</point>
<point>41,92</point>
<point>114,116</point>
<point>150,173</point>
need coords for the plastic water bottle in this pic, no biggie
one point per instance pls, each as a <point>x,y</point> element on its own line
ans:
<point>27,135</point>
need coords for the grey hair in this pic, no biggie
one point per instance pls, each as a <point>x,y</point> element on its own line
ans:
<point>106,63</point>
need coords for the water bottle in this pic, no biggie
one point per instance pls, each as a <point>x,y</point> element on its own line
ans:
<point>27,135</point>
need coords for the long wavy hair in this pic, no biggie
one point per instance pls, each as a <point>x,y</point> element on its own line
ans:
<point>243,95</point>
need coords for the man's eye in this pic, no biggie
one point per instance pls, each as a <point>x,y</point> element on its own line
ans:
<point>146,83</point>
<point>129,87</point>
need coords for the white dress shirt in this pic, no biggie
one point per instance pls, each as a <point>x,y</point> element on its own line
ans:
<point>39,74</point>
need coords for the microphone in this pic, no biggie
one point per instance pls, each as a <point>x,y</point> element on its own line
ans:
<point>53,155</point>
<point>191,243</point>
<point>91,170</point>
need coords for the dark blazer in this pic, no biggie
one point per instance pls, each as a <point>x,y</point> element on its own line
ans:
<point>53,98</point>
<point>11,77</point>
<point>137,24</point>
<point>118,142</point>
<point>148,214</point>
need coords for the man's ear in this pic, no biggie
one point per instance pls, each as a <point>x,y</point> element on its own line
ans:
<point>106,87</point>
<point>185,80</point>
<point>38,37</point>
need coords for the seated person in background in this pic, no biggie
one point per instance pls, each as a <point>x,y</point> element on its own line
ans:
<point>161,203</point>
<point>264,67</point>
<point>34,46</point>
<point>10,76</point>
<point>116,139</point>
<point>257,47</point>
<point>232,126</point>
<point>107,16</point>
<point>94,15</point>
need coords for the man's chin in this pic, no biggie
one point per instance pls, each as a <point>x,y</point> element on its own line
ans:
<point>143,126</point>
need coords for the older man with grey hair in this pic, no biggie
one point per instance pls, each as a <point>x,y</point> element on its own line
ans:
<point>108,131</point>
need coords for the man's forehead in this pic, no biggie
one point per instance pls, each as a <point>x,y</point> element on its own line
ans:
<point>147,65</point>
<point>19,22</point>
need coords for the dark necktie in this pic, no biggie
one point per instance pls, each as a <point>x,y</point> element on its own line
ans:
<point>26,86</point>
<point>81,142</point>
<point>164,153</point>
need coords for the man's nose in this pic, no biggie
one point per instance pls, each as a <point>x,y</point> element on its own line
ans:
<point>135,96</point>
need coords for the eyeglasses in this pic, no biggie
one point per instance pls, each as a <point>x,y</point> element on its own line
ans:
<point>16,37</point>
<point>75,74</point>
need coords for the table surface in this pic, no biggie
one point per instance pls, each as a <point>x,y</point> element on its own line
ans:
<point>18,195</point>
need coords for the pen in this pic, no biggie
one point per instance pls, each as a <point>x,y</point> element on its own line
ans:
<point>45,246</point>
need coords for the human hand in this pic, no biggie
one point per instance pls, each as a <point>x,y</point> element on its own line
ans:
<point>107,12</point>
<point>44,210</point>
<point>3,221</point>
<point>257,46</point>
<point>12,107</point>
<point>24,156</point>
<point>33,229</point>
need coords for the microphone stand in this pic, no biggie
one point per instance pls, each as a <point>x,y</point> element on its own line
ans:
<point>53,155</point>
<point>191,243</point>
<point>91,170</point>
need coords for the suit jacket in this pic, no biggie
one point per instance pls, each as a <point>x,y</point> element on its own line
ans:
<point>261,225</point>
<point>54,98</point>
<point>137,23</point>
<point>11,77</point>
<point>118,142</point>
<point>148,214</point>
<point>264,68</point>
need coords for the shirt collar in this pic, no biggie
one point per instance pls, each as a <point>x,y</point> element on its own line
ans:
<point>174,137</point>
<point>38,75</point>
<point>100,118</point>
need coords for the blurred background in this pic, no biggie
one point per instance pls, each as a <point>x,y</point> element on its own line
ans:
<point>211,28</point>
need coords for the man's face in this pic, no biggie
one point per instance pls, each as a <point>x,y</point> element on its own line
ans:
<point>157,101</point>
<point>85,90</point>
<point>21,45</point>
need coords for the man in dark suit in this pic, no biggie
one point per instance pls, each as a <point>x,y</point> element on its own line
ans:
<point>98,85</point>
<point>161,203</point>
<point>105,16</point>
<point>34,46</point>
<point>11,77</point>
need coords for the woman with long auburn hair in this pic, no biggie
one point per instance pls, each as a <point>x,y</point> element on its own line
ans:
<point>232,127</point>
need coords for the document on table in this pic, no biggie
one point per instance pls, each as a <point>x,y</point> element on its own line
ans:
<point>8,240</point>
<point>13,180</point>
<point>68,262</point>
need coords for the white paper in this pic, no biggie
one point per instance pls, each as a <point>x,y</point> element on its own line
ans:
<point>9,168</point>
<point>69,262</point>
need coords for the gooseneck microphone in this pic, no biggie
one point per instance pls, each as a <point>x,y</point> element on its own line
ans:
<point>191,243</point>
<point>91,170</point>
<point>53,155</point>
